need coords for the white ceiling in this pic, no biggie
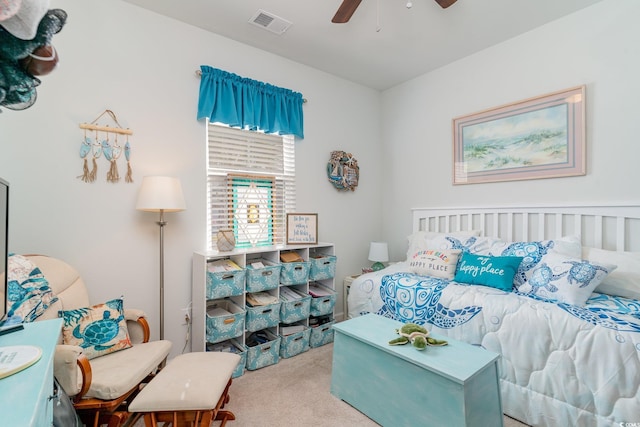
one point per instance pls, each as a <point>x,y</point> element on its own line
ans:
<point>383,44</point>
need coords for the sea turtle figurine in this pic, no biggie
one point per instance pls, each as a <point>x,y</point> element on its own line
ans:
<point>583,272</point>
<point>416,335</point>
<point>99,332</point>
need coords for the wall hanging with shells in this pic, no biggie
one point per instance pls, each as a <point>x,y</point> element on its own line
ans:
<point>100,140</point>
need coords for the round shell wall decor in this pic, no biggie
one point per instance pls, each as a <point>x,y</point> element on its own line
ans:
<point>343,171</point>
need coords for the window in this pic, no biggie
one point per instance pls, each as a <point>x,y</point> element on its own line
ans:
<point>251,185</point>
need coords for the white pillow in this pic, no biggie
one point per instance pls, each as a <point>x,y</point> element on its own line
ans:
<point>625,280</point>
<point>420,240</point>
<point>564,279</point>
<point>435,263</point>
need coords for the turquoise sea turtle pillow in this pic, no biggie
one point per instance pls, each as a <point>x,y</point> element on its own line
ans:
<point>494,271</point>
<point>99,330</point>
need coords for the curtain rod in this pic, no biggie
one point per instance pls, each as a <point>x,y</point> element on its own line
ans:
<point>199,74</point>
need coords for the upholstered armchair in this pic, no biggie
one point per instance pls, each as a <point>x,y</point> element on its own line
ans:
<point>100,387</point>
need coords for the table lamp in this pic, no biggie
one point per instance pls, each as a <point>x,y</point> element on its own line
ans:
<point>378,253</point>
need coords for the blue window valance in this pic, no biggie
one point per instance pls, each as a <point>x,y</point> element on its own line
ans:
<point>241,102</point>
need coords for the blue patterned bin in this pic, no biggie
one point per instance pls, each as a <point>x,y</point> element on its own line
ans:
<point>232,346</point>
<point>321,334</point>
<point>323,267</point>
<point>292,311</point>
<point>225,320</point>
<point>263,279</point>
<point>294,273</point>
<point>262,317</point>
<point>262,355</point>
<point>294,344</point>
<point>225,283</point>
<point>322,305</point>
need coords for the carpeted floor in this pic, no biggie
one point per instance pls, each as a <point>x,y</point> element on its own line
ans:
<point>295,392</point>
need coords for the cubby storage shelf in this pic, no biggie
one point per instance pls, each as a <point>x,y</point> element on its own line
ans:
<point>232,289</point>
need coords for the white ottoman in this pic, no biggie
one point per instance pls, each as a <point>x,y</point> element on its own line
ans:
<point>192,388</point>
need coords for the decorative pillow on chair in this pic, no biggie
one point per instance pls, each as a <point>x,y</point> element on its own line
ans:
<point>565,279</point>
<point>99,330</point>
<point>435,263</point>
<point>29,294</point>
<point>494,271</point>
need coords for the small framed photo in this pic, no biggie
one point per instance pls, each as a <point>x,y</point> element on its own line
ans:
<point>302,228</point>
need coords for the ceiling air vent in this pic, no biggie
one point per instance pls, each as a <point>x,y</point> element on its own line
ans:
<point>270,22</point>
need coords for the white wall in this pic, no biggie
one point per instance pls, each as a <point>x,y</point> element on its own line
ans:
<point>142,66</point>
<point>597,47</point>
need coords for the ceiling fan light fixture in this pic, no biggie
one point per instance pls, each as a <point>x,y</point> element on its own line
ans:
<point>409,4</point>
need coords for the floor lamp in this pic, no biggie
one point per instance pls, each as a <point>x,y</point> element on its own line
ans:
<point>161,194</point>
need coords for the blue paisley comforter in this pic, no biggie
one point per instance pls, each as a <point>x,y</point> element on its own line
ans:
<point>561,365</point>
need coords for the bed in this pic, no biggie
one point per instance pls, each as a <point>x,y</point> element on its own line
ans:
<point>568,323</point>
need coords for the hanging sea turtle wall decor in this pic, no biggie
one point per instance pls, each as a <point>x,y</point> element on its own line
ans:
<point>343,171</point>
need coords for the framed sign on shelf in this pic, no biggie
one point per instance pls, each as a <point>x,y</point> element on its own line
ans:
<point>302,228</point>
<point>541,137</point>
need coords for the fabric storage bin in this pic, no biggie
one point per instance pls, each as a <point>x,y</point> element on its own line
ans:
<point>323,304</point>
<point>223,284</point>
<point>265,354</point>
<point>294,273</point>
<point>262,316</point>
<point>294,344</point>
<point>294,310</point>
<point>321,334</point>
<point>263,279</point>
<point>323,267</point>
<point>232,346</point>
<point>225,320</point>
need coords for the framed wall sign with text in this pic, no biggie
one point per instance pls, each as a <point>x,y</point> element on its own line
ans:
<point>302,228</point>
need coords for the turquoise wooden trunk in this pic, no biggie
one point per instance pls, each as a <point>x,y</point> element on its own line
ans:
<point>222,327</point>
<point>321,334</point>
<point>294,273</point>
<point>262,317</point>
<point>294,344</point>
<point>323,267</point>
<point>225,284</point>
<point>322,305</point>
<point>263,279</point>
<point>265,354</point>
<point>455,385</point>
<point>292,311</point>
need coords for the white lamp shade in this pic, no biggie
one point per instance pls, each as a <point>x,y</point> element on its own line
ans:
<point>379,252</point>
<point>160,193</point>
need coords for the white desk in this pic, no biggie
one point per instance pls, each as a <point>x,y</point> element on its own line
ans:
<point>25,397</point>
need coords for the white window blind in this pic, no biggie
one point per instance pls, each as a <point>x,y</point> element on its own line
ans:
<point>251,185</point>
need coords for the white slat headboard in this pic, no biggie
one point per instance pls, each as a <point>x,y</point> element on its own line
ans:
<point>612,227</point>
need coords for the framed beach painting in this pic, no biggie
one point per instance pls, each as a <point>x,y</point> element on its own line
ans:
<point>541,137</point>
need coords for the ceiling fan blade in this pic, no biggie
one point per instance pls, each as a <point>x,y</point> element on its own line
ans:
<point>445,3</point>
<point>345,11</point>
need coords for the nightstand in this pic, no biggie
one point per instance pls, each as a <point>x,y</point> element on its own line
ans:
<point>346,285</point>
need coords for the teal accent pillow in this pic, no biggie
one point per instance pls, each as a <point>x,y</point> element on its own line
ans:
<point>29,293</point>
<point>99,330</point>
<point>494,271</point>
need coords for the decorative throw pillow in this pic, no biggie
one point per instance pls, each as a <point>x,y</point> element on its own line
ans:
<point>422,240</point>
<point>99,330</point>
<point>435,263</point>
<point>624,281</point>
<point>493,271</point>
<point>29,294</point>
<point>565,279</point>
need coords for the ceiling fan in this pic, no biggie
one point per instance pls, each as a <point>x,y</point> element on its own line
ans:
<point>348,7</point>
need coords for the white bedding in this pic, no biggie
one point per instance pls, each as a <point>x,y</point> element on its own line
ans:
<point>561,365</point>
